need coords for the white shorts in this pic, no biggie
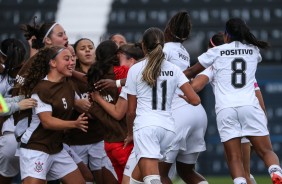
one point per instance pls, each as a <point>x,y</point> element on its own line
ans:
<point>91,154</point>
<point>73,155</point>
<point>153,142</point>
<point>240,122</point>
<point>40,165</point>
<point>191,125</point>
<point>130,164</point>
<point>9,163</point>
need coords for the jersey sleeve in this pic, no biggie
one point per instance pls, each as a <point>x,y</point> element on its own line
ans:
<point>181,78</point>
<point>208,72</point>
<point>123,94</point>
<point>167,53</point>
<point>41,106</point>
<point>131,82</point>
<point>207,59</point>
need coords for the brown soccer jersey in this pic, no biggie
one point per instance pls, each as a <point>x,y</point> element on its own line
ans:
<point>95,131</point>
<point>61,97</point>
<point>115,131</point>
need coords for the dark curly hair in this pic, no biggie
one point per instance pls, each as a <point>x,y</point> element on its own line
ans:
<point>178,27</point>
<point>39,68</point>
<point>106,57</point>
<point>38,31</point>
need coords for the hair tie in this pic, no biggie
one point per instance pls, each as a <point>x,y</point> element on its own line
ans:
<point>49,30</point>
<point>212,42</point>
<point>182,39</point>
<point>3,53</point>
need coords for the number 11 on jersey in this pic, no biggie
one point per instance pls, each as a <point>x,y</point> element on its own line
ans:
<point>155,95</point>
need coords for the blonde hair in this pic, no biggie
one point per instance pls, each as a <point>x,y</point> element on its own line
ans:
<point>153,42</point>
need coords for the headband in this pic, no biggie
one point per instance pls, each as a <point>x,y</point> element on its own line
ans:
<point>212,42</point>
<point>58,52</point>
<point>3,53</point>
<point>49,30</point>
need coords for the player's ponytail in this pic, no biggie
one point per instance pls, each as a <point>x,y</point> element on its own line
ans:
<point>153,42</point>
<point>237,30</point>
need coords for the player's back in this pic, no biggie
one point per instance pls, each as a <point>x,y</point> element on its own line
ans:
<point>154,103</point>
<point>234,67</point>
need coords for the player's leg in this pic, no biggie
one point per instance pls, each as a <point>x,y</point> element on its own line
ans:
<point>246,150</point>
<point>164,168</point>
<point>185,166</point>
<point>255,125</point>
<point>8,161</point>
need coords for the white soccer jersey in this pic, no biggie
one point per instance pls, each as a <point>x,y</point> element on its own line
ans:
<point>234,67</point>
<point>177,54</point>
<point>154,104</point>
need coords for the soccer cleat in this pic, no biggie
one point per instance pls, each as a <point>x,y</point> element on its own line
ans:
<point>276,179</point>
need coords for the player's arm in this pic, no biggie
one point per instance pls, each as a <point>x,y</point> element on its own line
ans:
<point>53,123</point>
<point>130,116</point>
<point>107,83</point>
<point>189,94</point>
<point>192,71</point>
<point>117,111</point>
<point>80,76</point>
<point>199,82</point>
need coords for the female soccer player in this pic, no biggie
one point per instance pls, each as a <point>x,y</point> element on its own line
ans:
<point>190,129</point>
<point>238,110</point>
<point>41,152</point>
<point>12,53</point>
<point>153,82</point>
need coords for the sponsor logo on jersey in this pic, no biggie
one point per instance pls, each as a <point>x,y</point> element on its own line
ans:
<point>232,52</point>
<point>166,73</point>
<point>182,56</point>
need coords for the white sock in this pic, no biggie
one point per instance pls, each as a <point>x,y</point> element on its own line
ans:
<point>203,182</point>
<point>240,180</point>
<point>253,181</point>
<point>275,169</point>
<point>133,181</point>
<point>152,179</point>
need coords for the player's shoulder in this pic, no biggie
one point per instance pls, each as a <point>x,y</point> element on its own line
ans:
<point>138,66</point>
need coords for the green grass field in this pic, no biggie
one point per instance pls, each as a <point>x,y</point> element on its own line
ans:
<point>227,180</point>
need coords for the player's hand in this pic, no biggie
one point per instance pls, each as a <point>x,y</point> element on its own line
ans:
<point>95,96</point>
<point>82,105</point>
<point>184,97</point>
<point>104,84</point>
<point>81,122</point>
<point>27,103</point>
<point>127,140</point>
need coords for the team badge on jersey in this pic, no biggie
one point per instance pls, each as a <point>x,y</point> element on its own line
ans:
<point>38,167</point>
